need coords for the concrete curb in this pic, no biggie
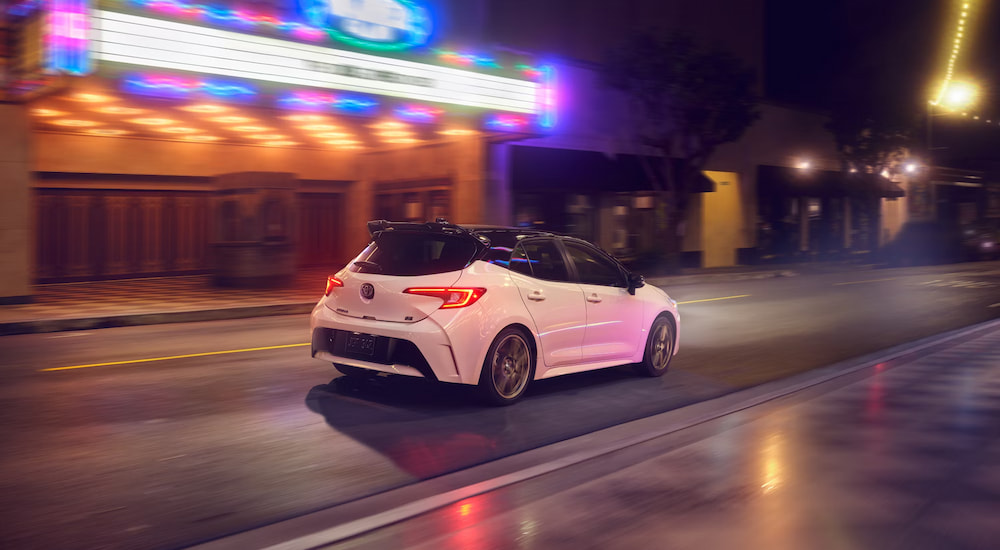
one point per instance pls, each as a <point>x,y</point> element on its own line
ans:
<point>341,522</point>
<point>127,320</point>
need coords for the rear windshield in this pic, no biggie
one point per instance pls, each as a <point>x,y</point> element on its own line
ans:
<point>409,253</point>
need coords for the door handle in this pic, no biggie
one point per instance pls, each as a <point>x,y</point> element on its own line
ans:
<point>536,295</point>
<point>594,298</point>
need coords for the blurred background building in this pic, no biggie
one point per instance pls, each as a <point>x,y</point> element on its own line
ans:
<point>164,137</point>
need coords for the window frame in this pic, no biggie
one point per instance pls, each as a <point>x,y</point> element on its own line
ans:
<point>570,271</point>
<point>623,272</point>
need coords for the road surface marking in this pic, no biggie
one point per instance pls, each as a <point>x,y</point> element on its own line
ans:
<point>714,299</point>
<point>131,361</point>
<point>868,281</point>
<point>994,305</point>
<point>207,353</point>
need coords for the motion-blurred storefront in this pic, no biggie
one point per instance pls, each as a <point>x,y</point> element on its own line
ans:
<point>146,135</point>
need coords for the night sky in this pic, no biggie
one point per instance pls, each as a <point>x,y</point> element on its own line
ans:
<point>888,53</point>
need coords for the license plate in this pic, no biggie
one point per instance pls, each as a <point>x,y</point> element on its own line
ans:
<point>362,344</point>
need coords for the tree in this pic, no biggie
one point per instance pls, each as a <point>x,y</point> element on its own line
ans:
<point>685,100</point>
<point>870,143</point>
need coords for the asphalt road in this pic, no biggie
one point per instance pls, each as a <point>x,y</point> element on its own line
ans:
<point>170,452</point>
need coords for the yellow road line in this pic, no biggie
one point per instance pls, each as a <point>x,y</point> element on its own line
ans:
<point>208,353</point>
<point>172,357</point>
<point>868,281</point>
<point>714,299</point>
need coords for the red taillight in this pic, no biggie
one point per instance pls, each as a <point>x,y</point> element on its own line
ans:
<point>332,283</point>
<point>453,297</point>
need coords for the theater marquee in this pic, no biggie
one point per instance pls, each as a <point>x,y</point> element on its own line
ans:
<point>148,42</point>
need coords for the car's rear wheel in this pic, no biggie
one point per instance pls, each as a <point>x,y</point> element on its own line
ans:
<point>659,348</point>
<point>508,368</point>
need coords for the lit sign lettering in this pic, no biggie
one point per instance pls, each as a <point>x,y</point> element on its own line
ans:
<point>179,46</point>
<point>377,24</point>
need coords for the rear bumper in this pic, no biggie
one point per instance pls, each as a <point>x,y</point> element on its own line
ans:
<point>420,349</point>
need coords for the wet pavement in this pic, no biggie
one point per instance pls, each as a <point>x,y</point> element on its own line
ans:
<point>899,455</point>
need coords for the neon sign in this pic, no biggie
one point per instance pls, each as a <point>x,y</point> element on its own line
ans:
<point>319,100</point>
<point>374,24</point>
<point>242,19</point>
<point>418,113</point>
<point>175,87</point>
<point>66,37</point>
<point>506,122</point>
<point>170,45</point>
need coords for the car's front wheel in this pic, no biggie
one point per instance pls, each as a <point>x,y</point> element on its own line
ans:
<point>659,348</point>
<point>508,368</point>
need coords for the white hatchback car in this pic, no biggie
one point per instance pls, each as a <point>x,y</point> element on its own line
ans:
<point>488,306</point>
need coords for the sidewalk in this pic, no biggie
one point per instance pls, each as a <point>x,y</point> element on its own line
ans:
<point>897,451</point>
<point>102,304</point>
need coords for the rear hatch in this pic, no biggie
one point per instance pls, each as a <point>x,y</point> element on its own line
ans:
<point>374,283</point>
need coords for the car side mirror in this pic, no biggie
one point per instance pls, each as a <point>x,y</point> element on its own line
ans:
<point>635,281</point>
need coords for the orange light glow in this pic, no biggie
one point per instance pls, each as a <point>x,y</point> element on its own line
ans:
<point>204,108</point>
<point>47,112</point>
<point>152,121</point>
<point>202,138</point>
<point>119,110</point>
<point>279,143</point>
<point>395,133</point>
<point>402,140</point>
<point>319,127</point>
<point>341,142</point>
<point>91,98</point>
<point>458,132</point>
<point>389,125</point>
<point>107,132</point>
<point>250,128</point>
<point>179,130</point>
<point>333,135</point>
<point>231,119</point>
<point>75,123</point>
<point>268,137</point>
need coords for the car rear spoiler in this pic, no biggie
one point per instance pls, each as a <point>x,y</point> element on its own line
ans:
<point>439,225</point>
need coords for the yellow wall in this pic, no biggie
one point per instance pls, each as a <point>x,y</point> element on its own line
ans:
<point>16,237</point>
<point>722,220</point>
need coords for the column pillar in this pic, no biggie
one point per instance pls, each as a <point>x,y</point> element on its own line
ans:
<point>16,210</point>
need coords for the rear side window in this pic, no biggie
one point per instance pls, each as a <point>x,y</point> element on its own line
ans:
<point>411,253</point>
<point>541,259</point>
<point>593,267</point>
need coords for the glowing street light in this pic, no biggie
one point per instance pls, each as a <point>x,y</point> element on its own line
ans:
<point>959,95</point>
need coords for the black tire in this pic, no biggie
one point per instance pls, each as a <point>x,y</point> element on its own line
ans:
<point>508,368</point>
<point>659,348</point>
<point>354,372</point>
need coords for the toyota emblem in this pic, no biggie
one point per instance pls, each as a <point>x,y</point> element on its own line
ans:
<point>367,291</point>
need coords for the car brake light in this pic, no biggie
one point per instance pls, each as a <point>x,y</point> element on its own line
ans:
<point>453,297</point>
<point>332,283</point>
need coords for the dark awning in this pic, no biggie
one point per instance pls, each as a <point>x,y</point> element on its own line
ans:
<point>573,171</point>
<point>798,182</point>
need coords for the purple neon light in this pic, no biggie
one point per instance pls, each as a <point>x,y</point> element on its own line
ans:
<point>242,19</point>
<point>418,113</point>
<point>173,86</point>
<point>319,100</point>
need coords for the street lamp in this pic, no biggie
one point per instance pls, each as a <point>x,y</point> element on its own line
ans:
<point>954,95</point>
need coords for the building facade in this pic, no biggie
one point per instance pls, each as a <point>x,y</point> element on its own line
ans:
<point>165,137</point>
